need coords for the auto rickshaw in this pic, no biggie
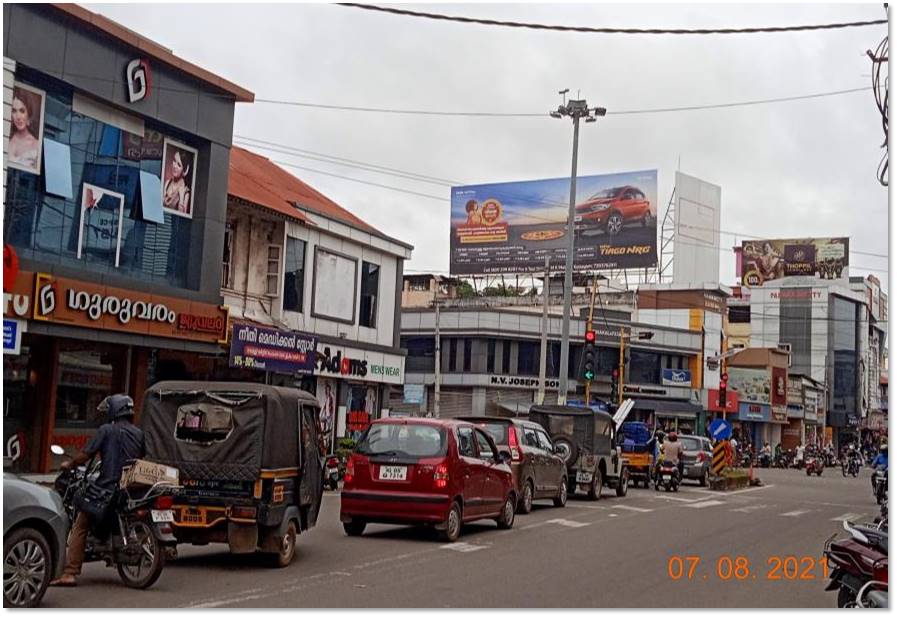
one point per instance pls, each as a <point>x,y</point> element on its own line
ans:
<point>634,437</point>
<point>249,462</point>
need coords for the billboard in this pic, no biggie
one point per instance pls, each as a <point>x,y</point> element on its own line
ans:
<point>697,236</point>
<point>767,260</point>
<point>512,227</point>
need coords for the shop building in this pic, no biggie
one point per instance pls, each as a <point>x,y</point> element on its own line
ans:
<point>489,364</point>
<point>759,376</point>
<point>115,169</point>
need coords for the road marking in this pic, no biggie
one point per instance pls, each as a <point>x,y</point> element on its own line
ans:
<point>633,508</point>
<point>744,490</point>
<point>577,505</point>
<point>566,523</point>
<point>613,515</point>
<point>795,513</point>
<point>706,503</point>
<point>847,516</point>
<point>463,547</point>
<point>682,499</point>
<point>753,508</point>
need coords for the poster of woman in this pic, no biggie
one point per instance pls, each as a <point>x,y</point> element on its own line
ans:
<point>326,395</point>
<point>178,178</point>
<point>26,128</point>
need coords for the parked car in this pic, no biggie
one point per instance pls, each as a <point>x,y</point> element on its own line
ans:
<point>35,528</point>
<point>539,472</point>
<point>611,209</point>
<point>441,473</point>
<point>586,442</point>
<point>697,453</point>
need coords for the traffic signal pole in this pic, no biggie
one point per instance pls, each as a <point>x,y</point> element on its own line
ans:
<point>588,393</point>
<point>622,366</point>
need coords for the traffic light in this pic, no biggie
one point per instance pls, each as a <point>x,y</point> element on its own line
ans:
<point>588,357</point>
<point>723,381</point>
<point>614,385</point>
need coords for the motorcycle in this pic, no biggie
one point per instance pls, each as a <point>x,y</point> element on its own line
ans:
<point>332,472</point>
<point>850,466</point>
<point>881,521</point>
<point>814,465</point>
<point>856,560</point>
<point>830,459</point>
<point>765,460</point>
<point>872,595</point>
<point>783,459</point>
<point>667,477</point>
<point>880,485</point>
<point>136,535</point>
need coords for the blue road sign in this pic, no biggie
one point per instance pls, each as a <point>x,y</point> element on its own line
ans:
<point>720,429</point>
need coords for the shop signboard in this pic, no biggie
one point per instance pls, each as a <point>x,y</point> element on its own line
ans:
<point>71,302</point>
<point>358,364</point>
<point>651,391</point>
<point>779,394</point>
<point>12,335</point>
<point>268,349</point>
<point>513,226</point>
<point>413,393</point>
<point>676,377</point>
<point>731,401</point>
<point>752,384</point>
<point>778,414</point>
<point>517,381</point>
<point>769,260</point>
<point>753,412</point>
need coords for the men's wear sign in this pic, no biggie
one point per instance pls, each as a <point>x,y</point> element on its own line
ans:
<point>513,226</point>
<point>267,349</point>
<point>358,364</point>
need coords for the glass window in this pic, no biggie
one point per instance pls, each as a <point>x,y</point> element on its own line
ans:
<point>273,275</point>
<point>644,367</point>
<point>497,430</point>
<point>408,439</point>
<point>467,349</point>
<point>490,356</point>
<point>227,273</point>
<point>421,353</point>
<point>545,441</point>
<point>483,446</point>
<point>85,379</point>
<point>527,358</point>
<point>740,314</point>
<point>453,354</point>
<point>465,442</point>
<point>294,275</point>
<point>370,286</point>
<point>529,438</point>
<point>506,357</point>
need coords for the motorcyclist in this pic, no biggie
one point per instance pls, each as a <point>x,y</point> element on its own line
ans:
<point>672,451</point>
<point>881,459</point>
<point>778,452</point>
<point>118,443</point>
<point>765,454</point>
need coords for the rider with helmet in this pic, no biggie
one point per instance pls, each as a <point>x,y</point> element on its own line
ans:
<point>118,443</point>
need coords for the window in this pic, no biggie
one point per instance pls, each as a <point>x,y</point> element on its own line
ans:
<point>545,441</point>
<point>467,345</point>
<point>506,357</point>
<point>370,285</point>
<point>527,358</point>
<point>484,447</point>
<point>740,314</point>
<point>453,354</point>
<point>273,270</point>
<point>490,356</point>
<point>529,438</point>
<point>498,431</point>
<point>294,275</point>
<point>644,367</point>
<point>203,423</point>
<point>407,439</point>
<point>227,260</point>
<point>465,442</point>
<point>421,352</point>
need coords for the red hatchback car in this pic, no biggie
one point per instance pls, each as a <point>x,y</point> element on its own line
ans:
<point>611,209</point>
<point>441,473</point>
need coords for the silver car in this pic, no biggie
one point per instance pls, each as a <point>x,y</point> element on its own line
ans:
<point>35,528</point>
<point>697,453</point>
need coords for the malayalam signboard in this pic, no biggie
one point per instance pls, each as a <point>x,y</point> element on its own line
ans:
<point>267,349</point>
<point>769,260</point>
<point>512,227</point>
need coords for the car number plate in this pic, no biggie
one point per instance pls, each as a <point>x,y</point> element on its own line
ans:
<point>162,516</point>
<point>393,472</point>
<point>583,476</point>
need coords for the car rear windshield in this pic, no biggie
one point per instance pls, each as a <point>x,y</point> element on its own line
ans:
<point>418,440</point>
<point>497,430</point>
<point>690,445</point>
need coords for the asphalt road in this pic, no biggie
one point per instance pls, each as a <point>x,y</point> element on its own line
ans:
<point>615,552</point>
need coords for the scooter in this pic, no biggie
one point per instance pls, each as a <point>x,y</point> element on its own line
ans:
<point>855,561</point>
<point>667,477</point>
<point>764,460</point>
<point>814,465</point>
<point>135,536</point>
<point>850,466</point>
<point>880,485</point>
<point>332,472</point>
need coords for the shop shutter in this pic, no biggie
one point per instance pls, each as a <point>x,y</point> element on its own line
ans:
<point>453,402</point>
<point>503,402</point>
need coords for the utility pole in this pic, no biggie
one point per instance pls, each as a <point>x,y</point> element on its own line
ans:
<point>622,367</point>
<point>540,396</point>
<point>588,392</point>
<point>576,110</point>
<point>438,354</point>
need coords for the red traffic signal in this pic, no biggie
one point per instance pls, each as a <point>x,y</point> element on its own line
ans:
<point>724,378</point>
<point>590,336</point>
<point>615,374</point>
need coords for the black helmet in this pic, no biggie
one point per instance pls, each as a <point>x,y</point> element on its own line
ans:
<point>116,406</point>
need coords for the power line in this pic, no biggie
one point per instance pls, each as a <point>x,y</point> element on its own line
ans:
<point>593,30</point>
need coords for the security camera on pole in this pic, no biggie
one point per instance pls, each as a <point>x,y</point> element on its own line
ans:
<point>575,110</point>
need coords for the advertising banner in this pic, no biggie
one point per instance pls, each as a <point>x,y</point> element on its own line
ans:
<point>769,260</point>
<point>676,377</point>
<point>267,349</point>
<point>752,384</point>
<point>779,394</point>
<point>513,226</point>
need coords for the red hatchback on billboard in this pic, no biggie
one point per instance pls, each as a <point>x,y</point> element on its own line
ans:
<point>611,209</point>
<point>441,473</point>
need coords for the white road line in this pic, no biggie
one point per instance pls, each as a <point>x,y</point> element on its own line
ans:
<point>633,508</point>
<point>705,504</point>
<point>847,516</point>
<point>727,493</point>
<point>682,499</point>
<point>795,513</point>
<point>748,509</point>
<point>463,547</point>
<point>566,523</point>
<point>578,505</point>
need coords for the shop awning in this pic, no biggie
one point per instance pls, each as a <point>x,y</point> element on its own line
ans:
<point>668,409</point>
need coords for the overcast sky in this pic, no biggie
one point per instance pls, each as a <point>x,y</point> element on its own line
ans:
<point>795,169</point>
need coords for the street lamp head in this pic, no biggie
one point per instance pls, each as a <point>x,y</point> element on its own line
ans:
<point>600,112</point>
<point>555,114</point>
<point>591,119</point>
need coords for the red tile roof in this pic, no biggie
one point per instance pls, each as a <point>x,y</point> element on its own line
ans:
<point>256,179</point>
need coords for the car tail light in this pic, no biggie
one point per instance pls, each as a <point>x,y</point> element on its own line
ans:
<point>514,444</point>
<point>164,502</point>
<point>441,475</point>
<point>880,571</point>
<point>349,475</point>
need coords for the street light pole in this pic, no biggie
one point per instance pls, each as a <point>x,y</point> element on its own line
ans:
<point>576,110</point>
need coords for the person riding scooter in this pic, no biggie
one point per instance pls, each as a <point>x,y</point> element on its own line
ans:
<point>765,458</point>
<point>118,442</point>
<point>672,452</point>
<point>880,463</point>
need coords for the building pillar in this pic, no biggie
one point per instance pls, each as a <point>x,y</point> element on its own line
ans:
<point>478,404</point>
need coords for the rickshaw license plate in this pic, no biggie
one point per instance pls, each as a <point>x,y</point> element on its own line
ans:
<point>583,477</point>
<point>393,472</point>
<point>162,516</point>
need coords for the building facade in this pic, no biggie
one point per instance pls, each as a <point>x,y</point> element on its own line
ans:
<point>115,167</point>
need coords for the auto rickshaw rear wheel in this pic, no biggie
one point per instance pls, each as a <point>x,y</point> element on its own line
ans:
<point>287,551</point>
<point>354,528</point>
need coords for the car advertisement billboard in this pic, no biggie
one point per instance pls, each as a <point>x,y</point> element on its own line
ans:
<point>768,260</point>
<point>512,227</point>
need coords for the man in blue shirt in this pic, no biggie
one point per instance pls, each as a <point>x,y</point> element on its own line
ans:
<point>881,460</point>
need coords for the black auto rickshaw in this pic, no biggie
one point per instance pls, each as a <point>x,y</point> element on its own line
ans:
<point>586,441</point>
<point>249,462</point>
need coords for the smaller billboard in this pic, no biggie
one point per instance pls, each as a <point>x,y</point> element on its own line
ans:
<point>676,377</point>
<point>752,384</point>
<point>267,349</point>
<point>762,261</point>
